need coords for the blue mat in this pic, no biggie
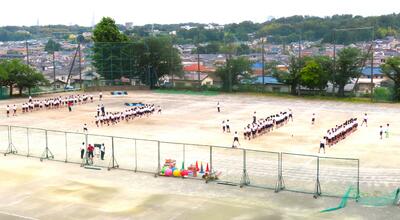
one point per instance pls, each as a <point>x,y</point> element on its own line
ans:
<point>134,104</point>
<point>119,93</point>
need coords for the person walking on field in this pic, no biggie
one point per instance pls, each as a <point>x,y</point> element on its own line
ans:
<point>235,140</point>
<point>82,149</point>
<point>322,145</point>
<point>69,106</point>
<point>365,120</point>
<point>387,131</point>
<point>85,128</point>
<point>218,107</point>
<point>380,132</point>
<point>313,119</point>
<point>102,151</point>
<point>90,151</point>
<point>8,110</point>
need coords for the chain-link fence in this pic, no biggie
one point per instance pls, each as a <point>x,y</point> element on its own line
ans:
<point>327,176</point>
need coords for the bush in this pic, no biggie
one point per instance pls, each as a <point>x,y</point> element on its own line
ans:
<point>383,94</point>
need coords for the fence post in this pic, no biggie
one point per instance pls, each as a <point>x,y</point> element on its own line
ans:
<point>112,146</point>
<point>159,160</point>
<point>27,140</point>
<point>245,178</point>
<point>211,160</point>
<point>135,157</point>
<point>358,179</point>
<point>184,155</point>
<point>317,183</point>
<point>113,161</point>
<point>66,147</point>
<point>280,185</point>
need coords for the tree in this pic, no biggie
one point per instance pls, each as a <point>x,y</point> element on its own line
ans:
<point>347,67</point>
<point>110,50</point>
<point>391,69</point>
<point>3,74</point>
<point>51,47</point>
<point>315,74</point>
<point>158,56</point>
<point>29,78</point>
<point>292,77</point>
<point>11,68</point>
<point>233,71</point>
<point>15,73</point>
<point>243,49</point>
<point>107,31</point>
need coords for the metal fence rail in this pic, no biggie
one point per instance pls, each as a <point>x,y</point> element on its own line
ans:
<point>326,176</point>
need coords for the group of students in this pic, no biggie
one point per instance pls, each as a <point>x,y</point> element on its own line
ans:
<point>92,151</point>
<point>50,103</point>
<point>107,118</point>
<point>14,110</point>
<point>265,125</point>
<point>338,133</point>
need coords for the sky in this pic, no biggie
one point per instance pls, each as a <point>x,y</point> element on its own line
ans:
<point>84,12</point>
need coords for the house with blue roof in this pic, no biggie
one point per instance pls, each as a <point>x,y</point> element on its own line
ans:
<point>271,84</point>
<point>377,71</point>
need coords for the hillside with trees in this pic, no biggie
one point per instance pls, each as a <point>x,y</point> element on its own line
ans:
<point>281,30</point>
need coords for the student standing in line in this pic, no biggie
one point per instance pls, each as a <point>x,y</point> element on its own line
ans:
<point>387,131</point>
<point>102,151</point>
<point>82,150</point>
<point>313,119</point>
<point>322,145</point>
<point>235,140</point>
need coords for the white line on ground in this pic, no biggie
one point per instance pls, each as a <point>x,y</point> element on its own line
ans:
<point>19,216</point>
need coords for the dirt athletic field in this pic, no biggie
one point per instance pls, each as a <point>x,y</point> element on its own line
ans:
<point>194,119</point>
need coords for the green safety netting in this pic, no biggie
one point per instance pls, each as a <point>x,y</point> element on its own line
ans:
<point>368,200</point>
<point>380,200</point>
<point>343,202</point>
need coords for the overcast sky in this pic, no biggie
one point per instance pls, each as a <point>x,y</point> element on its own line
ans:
<point>29,12</point>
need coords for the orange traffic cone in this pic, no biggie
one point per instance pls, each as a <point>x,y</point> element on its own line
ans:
<point>197,166</point>
<point>207,169</point>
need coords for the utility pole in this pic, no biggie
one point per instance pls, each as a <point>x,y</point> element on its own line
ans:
<point>299,88</point>
<point>27,51</point>
<point>80,65</point>
<point>334,60</point>
<point>170,61</point>
<point>54,71</point>
<point>263,62</point>
<point>300,45</point>
<point>372,64</point>
<point>198,57</point>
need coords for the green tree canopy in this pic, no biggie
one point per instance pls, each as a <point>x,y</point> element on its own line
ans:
<point>233,71</point>
<point>15,73</point>
<point>391,68</point>
<point>52,46</point>
<point>313,75</point>
<point>347,67</point>
<point>292,77</point>
<point>29,78</point>
<point>107,31</point>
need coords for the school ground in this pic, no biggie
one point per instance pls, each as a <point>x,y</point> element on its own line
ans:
<point>45,190</point>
